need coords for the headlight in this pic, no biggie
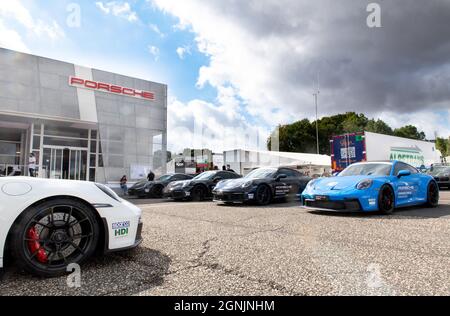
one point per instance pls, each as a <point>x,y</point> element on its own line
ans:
<point>108,192</point>
<point>364,185</point>
<point>247,184</point>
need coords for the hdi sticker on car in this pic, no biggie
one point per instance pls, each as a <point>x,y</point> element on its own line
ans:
<point>121,229</point>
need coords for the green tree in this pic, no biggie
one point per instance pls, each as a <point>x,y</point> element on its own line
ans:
<point>443,145</point>
<point>379,127</point>
<point>354,123</point>
<point>409,131</point>
<point>301,136</point>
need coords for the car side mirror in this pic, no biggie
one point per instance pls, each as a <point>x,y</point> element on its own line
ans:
<point>403,173</point>
<point>280,176</point>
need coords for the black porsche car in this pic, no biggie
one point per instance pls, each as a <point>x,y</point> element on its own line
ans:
<point>199,188</point>
<point>441,173</point>
<point>154,189</point>
<point>262,186</point>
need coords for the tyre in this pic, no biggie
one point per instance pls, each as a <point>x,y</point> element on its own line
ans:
<point>198,193</point>
<point>48,237</point>
<point>157,192</point>
<point>433,195</point>
<point>386,200</point>
<point>263,195</point>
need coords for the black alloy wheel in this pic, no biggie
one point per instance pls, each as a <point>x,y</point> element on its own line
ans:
<point>48,237</point>
<point>157,191</point>
<point>386,200</point>
<point>433,195</point>
<point>263,195</point>
<point>198,193</point>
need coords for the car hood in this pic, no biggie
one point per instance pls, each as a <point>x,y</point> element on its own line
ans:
<point>232,184</point>
<point>339,183</point>
<point>178,183</point>
<point>139,184</point>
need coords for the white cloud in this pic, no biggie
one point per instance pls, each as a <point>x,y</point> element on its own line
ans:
<point>182,51</point>
<point>200,124</point>
<point>119,9</point>
<point>153,50</point>
<point>426,121</point>
<point>11,39</point>
<point>15,11</point>
<point>270,52</point>
<point>156,29</point>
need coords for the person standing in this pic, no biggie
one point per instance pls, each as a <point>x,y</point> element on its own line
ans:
<point>123,185</point>
<point>229,169</point>
<point>32,165</point>
<point>151,176</point>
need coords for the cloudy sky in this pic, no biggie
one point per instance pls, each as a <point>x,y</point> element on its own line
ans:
<point>245,66</point>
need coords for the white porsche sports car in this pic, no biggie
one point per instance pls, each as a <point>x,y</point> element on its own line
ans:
<point>47,224</point>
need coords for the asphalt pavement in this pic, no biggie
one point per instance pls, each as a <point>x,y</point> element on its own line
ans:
<point>212,249</point>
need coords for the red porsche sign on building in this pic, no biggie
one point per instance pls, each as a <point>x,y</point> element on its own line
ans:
<point>110,88</point>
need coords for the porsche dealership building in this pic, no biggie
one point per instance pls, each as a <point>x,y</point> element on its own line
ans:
<point>79,123</point>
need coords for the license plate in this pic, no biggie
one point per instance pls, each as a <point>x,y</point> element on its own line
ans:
<point>321,198</point>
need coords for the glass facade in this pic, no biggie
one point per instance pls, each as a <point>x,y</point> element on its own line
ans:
<point>73,132</point>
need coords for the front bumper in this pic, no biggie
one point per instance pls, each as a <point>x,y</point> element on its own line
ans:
<point>340,201</point>
<point>330,205</point>
<point>176,194</point>
<point>443,182</point>
<point>233,197</point>
<point>138,240</point>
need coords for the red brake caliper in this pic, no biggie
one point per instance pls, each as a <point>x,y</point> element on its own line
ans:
<point>34,245</point>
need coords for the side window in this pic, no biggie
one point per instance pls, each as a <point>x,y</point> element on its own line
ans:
<point>289,173</point>
<point>398,167</point>
<point>403,166</point>
<point>226,175</point>
<point>412,169</point>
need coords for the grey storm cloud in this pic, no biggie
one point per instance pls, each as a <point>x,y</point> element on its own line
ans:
<point>402,66</point>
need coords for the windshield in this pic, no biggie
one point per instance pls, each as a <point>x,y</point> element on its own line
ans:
<point>166,177</point>
<point>206,175</point>
<point>261,173</point>
<point>440,171</point>
<point>367,169</point>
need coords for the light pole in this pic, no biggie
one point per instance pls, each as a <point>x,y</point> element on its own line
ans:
<point>316,97</point>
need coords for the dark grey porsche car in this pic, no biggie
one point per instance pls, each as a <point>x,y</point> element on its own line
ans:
<point>154,189</point>
<point>199,188</point>
<point>262,186</point>
<point>441,173</point>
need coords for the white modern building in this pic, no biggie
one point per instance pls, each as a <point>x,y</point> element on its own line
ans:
<point>243,161</point>
<point>80,123</point>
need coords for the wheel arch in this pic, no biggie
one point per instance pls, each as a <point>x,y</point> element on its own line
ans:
<point>271,188</point>
<point>389,184</point>
<point>201,185</point>
<point>101,226</point>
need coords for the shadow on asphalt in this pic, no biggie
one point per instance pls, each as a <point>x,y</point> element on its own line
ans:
<point>407,212</point>
<point>123,273</point>
<point>274,204</point>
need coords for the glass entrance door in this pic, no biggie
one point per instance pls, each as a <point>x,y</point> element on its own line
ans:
<point>65,163</point>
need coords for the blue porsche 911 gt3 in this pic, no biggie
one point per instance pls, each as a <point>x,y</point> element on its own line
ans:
<point>372,186</point>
